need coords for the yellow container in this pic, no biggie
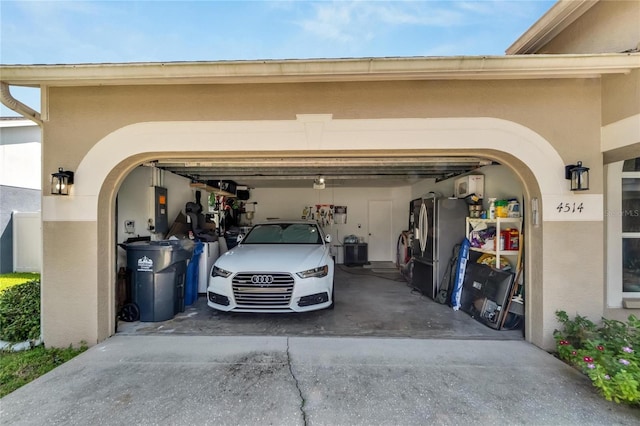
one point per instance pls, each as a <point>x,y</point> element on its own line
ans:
<point>501,208</point>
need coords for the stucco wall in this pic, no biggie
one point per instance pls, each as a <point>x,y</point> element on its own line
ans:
<point>621,116</point>
<point>620,96</point>
<point>566,113</point>
<point>69,283</point>
<point>610,26</point>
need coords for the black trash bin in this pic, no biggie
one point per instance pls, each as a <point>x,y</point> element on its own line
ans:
<point>158,272</point>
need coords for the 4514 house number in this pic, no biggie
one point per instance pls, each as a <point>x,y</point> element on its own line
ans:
<point>570,207</point>
<point>573,207</point>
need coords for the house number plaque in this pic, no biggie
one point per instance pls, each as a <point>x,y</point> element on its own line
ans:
<point>573,207</point>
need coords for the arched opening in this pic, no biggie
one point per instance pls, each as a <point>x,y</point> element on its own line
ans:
<point>108,163</point>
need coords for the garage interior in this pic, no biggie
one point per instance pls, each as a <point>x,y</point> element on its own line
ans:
<point>377,293</point>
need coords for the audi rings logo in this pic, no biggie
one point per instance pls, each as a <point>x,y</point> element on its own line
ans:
<point>262,279</point>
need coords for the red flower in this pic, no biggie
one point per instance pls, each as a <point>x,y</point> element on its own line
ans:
<point>574,353</point>
<point>564,342</point>
<point>600,348</point>
<point>588,359</point>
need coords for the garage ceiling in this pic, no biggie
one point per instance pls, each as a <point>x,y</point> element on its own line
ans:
<point>337,171</point>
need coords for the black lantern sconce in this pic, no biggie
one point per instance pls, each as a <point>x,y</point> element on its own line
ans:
<point>60,182</point>
<point>578,175</point>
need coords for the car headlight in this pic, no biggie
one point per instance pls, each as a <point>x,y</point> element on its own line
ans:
<point>320,271</point>
<point>219,272</point>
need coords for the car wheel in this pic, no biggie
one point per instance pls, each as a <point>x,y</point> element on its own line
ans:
<point>333,297</point>
<point>130,312</point>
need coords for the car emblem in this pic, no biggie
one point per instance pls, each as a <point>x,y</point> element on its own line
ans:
<point>262,279</point>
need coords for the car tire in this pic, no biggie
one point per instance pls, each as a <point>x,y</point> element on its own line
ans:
<point>130,312</point>
<point>333,297</point>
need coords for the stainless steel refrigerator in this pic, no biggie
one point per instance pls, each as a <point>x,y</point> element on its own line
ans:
<point>439,224</point>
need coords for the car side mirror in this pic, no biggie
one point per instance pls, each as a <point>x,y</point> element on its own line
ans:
<point>327,238</point>
<point>240,238</point>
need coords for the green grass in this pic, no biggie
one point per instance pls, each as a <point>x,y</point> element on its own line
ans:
<point>19,368</point>
<point>9,280</point>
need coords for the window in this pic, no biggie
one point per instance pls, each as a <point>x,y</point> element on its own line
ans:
<point>622,216</point>
<point>630,218</point>
<point>623,232</point>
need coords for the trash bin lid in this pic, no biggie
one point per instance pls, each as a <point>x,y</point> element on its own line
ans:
<point>176,250</point>
<point>160,245</point>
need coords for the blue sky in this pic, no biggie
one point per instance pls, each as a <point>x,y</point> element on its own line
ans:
<point>65,32</point>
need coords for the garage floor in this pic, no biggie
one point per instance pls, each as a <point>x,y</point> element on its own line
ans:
<point>370,301</point>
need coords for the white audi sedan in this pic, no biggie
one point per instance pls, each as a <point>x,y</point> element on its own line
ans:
<point>279,266</point>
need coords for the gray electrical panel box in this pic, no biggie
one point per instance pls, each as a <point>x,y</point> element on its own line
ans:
<point>158,217</point>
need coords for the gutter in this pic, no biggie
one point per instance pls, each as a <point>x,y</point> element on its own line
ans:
<point>322,70</point>
<point>12,103</point>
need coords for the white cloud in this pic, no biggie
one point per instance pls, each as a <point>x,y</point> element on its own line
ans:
<point>348,21</point>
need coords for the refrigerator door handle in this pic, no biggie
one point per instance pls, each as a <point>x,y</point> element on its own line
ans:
<point>423,226</point>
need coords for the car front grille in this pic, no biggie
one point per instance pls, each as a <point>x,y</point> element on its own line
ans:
<point>262,290</point>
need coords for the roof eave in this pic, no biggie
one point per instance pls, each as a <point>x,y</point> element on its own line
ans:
<point>322,70</point>
<point>559,17</point>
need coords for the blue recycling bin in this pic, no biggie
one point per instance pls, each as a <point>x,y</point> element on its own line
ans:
<point>191,287</point>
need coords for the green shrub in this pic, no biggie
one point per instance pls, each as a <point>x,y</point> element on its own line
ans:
<point>607,353</point>
<point>20,312</point>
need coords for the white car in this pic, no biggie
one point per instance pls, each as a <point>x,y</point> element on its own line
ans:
<point>279,266</point>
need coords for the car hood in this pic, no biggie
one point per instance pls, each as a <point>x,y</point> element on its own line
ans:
<point>272,257</point>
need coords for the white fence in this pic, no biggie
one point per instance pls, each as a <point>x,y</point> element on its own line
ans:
<point>27,242</point>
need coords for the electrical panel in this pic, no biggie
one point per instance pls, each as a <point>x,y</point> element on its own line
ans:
<point>158,217</point>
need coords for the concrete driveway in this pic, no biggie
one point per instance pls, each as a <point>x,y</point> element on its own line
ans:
<point>244,380</point>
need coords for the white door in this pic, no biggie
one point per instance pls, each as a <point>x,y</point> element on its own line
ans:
<point>380,233</point>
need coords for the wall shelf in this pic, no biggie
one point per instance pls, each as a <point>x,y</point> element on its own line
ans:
<point>211,189</point>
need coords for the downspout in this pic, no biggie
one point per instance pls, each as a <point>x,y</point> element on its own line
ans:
<point>17,106</point>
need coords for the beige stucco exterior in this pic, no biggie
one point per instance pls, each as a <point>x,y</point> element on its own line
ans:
<point>587,26</point>
<point>564,114</point>
<point>532,113</point>
<point>583,26</point>
<point>611,26</point>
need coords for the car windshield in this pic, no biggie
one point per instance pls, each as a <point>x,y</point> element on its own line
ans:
<point>283,233</point>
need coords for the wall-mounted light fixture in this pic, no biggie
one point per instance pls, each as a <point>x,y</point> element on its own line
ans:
<point>60,182</point>
<point>318,183</point>
<point>578,175</point>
